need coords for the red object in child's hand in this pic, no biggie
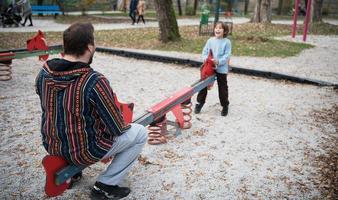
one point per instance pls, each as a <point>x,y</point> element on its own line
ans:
<point>208,67</point>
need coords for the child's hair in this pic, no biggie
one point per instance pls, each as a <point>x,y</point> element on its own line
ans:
<point>225,27</point>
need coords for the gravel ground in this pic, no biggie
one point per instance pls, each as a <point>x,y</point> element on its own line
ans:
<point>316,63</point>
<point>279,140</point>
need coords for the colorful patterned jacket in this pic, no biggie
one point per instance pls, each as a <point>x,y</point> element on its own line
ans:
<point>79,117</point>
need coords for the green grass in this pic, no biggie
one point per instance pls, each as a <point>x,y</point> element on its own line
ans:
<point>267,47</point>
<point>247,39</point>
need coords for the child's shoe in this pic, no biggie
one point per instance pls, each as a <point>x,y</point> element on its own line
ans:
<point>198,108</point>
<point>103,191</point>
<point>225,111</point>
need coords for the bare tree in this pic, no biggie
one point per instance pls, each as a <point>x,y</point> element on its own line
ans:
<point>280,7</point>
<point>246,6</point>
<point>167,20</point>
<point>195,6</point>
<point>262,12</point>
<point>179,7</point>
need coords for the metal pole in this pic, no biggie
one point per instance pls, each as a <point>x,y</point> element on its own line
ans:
<point>307,19</point>
<point>295,15</point>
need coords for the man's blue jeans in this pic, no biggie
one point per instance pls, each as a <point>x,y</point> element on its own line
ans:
<point>125,151</point>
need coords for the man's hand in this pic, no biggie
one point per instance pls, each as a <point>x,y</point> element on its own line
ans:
<point>106,160</point>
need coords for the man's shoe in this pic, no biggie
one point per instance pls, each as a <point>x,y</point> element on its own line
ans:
<point>198,108</point>
<point>103,191</point>
<point>76,178</point>
<point>225,111</point>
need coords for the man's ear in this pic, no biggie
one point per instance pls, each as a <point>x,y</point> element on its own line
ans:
<point>91,48</point>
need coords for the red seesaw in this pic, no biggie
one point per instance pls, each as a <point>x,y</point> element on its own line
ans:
<point>36,46</point>
<point>59,172</point>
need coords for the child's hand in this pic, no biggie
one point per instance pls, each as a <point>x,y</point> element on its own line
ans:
<point>215,61</point>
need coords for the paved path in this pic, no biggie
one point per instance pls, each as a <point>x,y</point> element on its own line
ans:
<point>49,25</point>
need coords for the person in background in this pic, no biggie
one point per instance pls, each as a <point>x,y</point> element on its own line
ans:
<point>221,50</point>
<point>26,11</point>
<point>80,119</point>
<point>133,10</point>
<point>140,10</point>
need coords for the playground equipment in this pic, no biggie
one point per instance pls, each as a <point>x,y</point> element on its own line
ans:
<point>306,20</point>
<point>59,172</point>
<point>36,46</point>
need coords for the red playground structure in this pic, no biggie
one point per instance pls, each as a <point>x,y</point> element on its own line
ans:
<point>306,20</point>
<point>59,172</point>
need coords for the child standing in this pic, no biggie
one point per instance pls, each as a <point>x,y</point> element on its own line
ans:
<point>221,50</point>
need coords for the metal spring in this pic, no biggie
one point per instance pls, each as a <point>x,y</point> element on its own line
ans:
<point>5,72</point>
<point>157,132</point>
<point>187,110</point>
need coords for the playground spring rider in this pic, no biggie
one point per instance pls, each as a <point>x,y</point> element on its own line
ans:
<point>157,131</point>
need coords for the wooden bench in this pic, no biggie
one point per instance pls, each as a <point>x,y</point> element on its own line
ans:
<point>46,9</point>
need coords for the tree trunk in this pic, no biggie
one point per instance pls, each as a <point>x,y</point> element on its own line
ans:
<point>262,13</point>
<point>179,7</point>
<point>246,5</point>
<point>167,20</point>
<point>317,10</point>
<point>195,6</point>
<point>280,7</point>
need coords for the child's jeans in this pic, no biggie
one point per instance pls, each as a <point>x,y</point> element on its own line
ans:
<point>222,91</point>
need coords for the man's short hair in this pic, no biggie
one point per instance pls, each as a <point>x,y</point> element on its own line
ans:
<point>77,37</point>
